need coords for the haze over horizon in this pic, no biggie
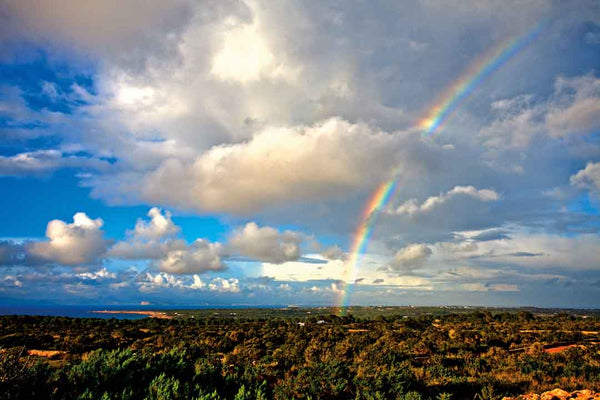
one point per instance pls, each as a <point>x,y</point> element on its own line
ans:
<point>300,152</point>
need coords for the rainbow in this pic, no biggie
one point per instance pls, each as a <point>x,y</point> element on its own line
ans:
<point>361,237</point>
<point>435,117</point>
<point>474,75</point>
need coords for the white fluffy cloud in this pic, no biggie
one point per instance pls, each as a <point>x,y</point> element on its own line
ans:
<point>151,282</point>
<point>151,239</point>
<point>159,226</point>
<point>412,206</point>
<point>101,274</point>
<point>335,288</point>
<point>80,242</point>
<point>231,285</point>
<point>200,256</point>
<point>280,165</point>
<point>266,243</point>
<point>156,240</point>
<point>588,178</point>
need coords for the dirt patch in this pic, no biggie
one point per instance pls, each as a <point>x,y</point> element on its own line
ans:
<point>51,354</point>
<point>558,349</point>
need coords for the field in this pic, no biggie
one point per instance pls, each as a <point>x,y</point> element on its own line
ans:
<point>311,353</point>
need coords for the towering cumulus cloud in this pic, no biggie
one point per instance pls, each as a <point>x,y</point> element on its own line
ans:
<point>80,242</point>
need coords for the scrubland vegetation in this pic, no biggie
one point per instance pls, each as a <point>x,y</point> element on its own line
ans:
<point>230,356</point>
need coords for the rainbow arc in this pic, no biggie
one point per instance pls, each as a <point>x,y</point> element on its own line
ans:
<point>434,118</point>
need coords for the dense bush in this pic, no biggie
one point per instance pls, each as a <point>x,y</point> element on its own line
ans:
<point>453,356</point>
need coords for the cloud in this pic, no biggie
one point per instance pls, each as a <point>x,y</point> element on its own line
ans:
<point>233,107</point>
<point>487,287</point>
<point>44,161</point>
<point>150,239</point>
<point>409,258</point>
<point>78,243</point>
<point>334,253</point>
<point>200,256</point>
<point>525,254</point>
<point>300,271</point>
<point>412,207</point>
<point>284,287</point>
<point>588,178</point>
<point>492,234</point>
<point>438,218</point>
<point>9,280</point>
<point>573,109</point>
<point>245,56</point>
<point>461,247</point>
<point>542,251</point>
<point>159,226</point>
<point>266,243</point>
<point>278,165</point>
<point>323,118</point>
<point>149,282</point>
<point>333,288</point>
<point>576,111</point>
<point>145,250</point>
<point>128,33</point>
<point>225,285</point>
<point>155,240</point>
<point>31,162</point>
<point>101,274</point>
<point>12,253</point>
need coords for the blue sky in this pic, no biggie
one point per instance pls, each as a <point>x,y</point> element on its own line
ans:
<point>223,153</point>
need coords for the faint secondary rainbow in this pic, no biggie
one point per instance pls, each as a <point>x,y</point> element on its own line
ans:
<point>436,115</point>
<point>474,75</point>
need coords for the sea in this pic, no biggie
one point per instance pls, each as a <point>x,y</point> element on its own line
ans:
<point>78,311</point>
<point>87,311</point>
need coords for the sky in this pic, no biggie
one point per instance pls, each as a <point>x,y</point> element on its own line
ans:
<point>254,152</point>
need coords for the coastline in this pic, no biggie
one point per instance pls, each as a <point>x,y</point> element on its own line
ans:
<point>151,314</point>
